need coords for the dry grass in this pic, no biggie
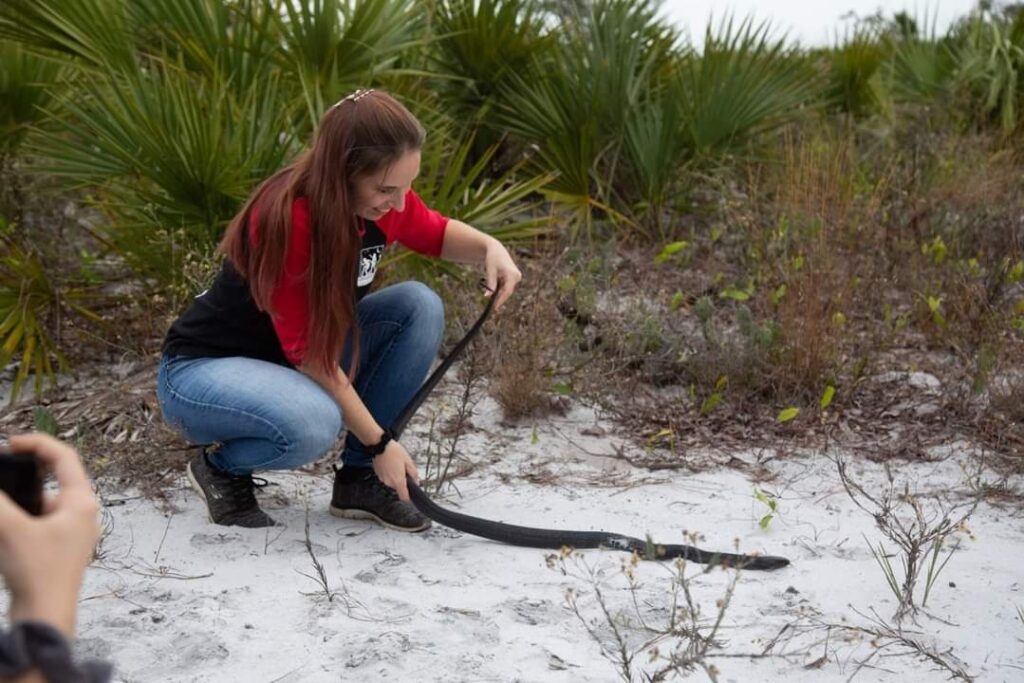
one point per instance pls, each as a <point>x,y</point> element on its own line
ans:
<point>116,427</point>
<point>519,348</point>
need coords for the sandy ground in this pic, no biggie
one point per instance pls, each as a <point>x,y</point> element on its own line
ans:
<point>174,598</point>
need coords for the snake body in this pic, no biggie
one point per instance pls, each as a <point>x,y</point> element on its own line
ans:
<point>553,539</point>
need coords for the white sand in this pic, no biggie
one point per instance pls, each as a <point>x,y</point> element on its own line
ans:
<point>176,598</point>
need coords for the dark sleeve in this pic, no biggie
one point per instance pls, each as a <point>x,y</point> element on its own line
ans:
<point>36,645</point>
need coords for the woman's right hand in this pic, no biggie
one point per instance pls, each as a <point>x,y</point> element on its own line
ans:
<point>44,558</point>
<point>393,465</point>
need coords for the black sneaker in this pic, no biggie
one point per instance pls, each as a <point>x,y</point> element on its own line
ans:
<point>359,494</point>
<point>229,498</point>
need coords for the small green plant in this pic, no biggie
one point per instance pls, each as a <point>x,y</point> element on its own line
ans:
<point>935,309</point>
<point>712,401</point>
<point>759,336</point>
<point>936,249</point>
<point>770,502</point>
<point>854,84</point>
<point>665,437</point>
<point>827,397</point>
<point>670,252</point>
<point>44,421</point>
<point>31,307</point>
<point>788,414</point>
<point>737,294</point>
<point>935,567</point>
<point>901,516</point>
<point>984,363</point>
<point>931,575</point>
<point>882,558</point>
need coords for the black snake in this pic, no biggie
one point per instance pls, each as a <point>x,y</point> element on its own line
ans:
<point>554,539</point>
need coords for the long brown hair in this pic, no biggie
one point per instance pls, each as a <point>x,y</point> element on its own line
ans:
<point>360,135</point>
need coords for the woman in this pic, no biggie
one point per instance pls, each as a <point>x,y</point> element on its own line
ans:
<point>286,348</point>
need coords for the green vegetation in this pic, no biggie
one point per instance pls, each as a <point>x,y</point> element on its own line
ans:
<point>759,225</point>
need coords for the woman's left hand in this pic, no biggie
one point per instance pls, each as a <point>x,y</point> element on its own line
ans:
<point>500,271</point>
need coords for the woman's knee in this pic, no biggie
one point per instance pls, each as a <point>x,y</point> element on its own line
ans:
<point>425,309</point>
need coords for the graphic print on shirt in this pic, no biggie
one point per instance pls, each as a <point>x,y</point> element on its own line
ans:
<point>368,260</point>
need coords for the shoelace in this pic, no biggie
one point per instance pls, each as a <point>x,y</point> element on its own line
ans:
<point>378,485</point>
<point>242,486</point>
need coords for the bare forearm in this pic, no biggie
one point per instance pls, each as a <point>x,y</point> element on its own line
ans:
<point>465,244</point>
<point>56,609</point>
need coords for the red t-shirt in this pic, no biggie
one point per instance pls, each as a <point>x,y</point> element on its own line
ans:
<point>417,227</point>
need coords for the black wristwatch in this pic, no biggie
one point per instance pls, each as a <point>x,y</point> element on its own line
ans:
<point>381,445</point>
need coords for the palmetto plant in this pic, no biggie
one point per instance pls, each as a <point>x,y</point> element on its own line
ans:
<point>478,48</point>
<point>922,67</point>
<point>94,34</point>
<point>454,185</point>
<point>575,111</point>
<point>991,67</point>
<point>233,40</point>
<point>855,85</point>
<point>27,84</point>
<point>167,155</point>
<point>479,44</point>
<point>333,46</point>
<point>30,307</point>
<point>742,84</point>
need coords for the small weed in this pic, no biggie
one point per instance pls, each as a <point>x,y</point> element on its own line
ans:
<point>319,574</point>
<point>771,502</point>
<point>901,517</point>
<point>44,421</point>
<point>522,345</point>
<point>645,641</point>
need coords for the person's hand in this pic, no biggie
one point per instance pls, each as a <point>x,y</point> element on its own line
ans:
<point>500,270</point>
<point>391,467</point>
<point>44,558</point>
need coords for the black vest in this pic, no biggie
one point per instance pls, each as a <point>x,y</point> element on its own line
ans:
<point>224,320</point>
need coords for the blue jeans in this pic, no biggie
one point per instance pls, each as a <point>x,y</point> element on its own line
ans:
<point>271,417</point>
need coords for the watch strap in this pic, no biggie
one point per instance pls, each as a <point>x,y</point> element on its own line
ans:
<point>387,437</point>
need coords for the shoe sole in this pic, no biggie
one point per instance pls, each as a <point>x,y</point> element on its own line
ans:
<point>355,513</point>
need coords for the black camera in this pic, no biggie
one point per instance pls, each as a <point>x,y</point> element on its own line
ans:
<point>21,478</point>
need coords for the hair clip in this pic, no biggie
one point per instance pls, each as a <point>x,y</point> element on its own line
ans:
<point>353,97</point>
